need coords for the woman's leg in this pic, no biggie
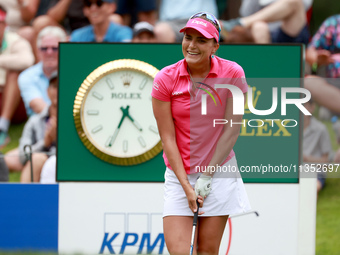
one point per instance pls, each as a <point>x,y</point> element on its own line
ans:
<point>291,12</point>
<point>38,160</point>
<point>177,234</point>
<point>323,93</point>
<point>12,160</point>
<point>210,233</point>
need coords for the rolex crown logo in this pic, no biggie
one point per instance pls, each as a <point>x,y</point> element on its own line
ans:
<point>255,98</point>
<point>127,79</point>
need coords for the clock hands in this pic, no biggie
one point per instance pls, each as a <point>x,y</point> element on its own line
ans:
<point>114,136</point>
<point>125,112</point>
<point>135,123</point>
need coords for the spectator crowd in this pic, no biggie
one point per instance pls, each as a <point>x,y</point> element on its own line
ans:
<point>30,32</point>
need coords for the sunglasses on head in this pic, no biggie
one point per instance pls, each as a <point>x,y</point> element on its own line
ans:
<point>99,3</point>
<point>209,17</point>
<point>44,49</point>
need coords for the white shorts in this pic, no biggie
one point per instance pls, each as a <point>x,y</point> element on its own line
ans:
<point>227,195</point>
<point>48,172</point>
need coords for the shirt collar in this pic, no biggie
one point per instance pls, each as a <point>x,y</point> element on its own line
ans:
<point>41,70</point>
<point>91,35</point>
<point>183,70</point>
<point>110,30</point>
<point>214,66</point>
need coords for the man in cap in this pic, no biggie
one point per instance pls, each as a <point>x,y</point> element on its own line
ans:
<point>143,33</point>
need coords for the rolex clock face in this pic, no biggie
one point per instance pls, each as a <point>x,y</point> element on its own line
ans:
<point>113,113</point>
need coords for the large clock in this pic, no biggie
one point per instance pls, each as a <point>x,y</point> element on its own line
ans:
<point>113,112</point>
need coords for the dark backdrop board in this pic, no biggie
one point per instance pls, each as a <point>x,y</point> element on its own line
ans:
<point>265,66</point>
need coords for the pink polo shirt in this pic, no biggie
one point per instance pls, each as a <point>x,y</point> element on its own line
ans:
<point>195,135</point>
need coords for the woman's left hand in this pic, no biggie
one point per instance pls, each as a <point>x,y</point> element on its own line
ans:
<point>203,185</point>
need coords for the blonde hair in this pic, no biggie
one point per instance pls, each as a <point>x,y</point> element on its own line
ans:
<point>210,21</point>
<point>51,31</point>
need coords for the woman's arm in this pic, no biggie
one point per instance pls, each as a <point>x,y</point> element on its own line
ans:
<point>229,137</point>
<point>59,11</point>
<point>28,9</point>
<point>312,159</point>
<point>166,128</point>
<point>311,55</point>
<point>20,57</point>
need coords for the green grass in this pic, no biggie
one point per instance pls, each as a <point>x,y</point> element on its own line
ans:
<point>27,253</point>
<point>15,134</point>
<point>328,211</point>
<point>328,220</point>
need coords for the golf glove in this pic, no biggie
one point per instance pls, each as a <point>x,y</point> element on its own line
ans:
<point>203,185</point>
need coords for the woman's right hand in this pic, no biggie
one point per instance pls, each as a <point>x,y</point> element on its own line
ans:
<point>191,196</point>
<point>324,57</point>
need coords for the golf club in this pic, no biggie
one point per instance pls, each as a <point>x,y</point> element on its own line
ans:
<point>194,228</point>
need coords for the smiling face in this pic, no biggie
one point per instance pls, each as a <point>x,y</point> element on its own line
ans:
<point>197,49</point>
<point>98,14</point>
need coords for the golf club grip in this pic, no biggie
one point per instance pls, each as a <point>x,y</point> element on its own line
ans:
<point>196,213</point>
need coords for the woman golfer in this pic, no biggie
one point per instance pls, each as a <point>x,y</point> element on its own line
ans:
<point>197,152</point>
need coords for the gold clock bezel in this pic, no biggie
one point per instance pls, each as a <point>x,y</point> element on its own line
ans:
<point>83,91</point>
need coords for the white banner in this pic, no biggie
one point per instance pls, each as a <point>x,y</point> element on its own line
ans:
<point>126,218</point>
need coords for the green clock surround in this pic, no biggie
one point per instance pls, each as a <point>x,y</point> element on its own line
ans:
<point>75,163</point>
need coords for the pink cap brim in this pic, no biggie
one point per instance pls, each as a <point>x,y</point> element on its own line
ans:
<point>204,27</point>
